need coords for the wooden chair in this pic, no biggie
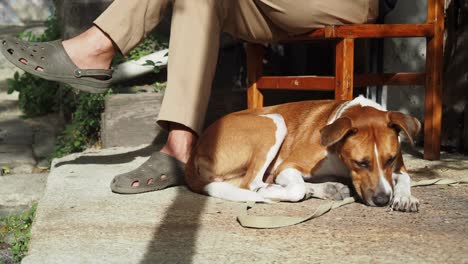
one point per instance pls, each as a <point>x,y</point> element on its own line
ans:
<point>344,80</point>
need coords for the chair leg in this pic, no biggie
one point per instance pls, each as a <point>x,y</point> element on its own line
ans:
<point>344,69</point>
<point>433,101</point>
<point>254,53</point>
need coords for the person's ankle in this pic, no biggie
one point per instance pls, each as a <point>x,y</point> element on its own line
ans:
<point>181,156</point>
<point>92,49</point>
<point>180,142</point>
<point>102,45</point>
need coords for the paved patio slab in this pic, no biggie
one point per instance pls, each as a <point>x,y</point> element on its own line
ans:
<point>79,220</point>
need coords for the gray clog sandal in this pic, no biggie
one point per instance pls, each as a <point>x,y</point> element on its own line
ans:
<point>49,61</point>
<point>158,172</point>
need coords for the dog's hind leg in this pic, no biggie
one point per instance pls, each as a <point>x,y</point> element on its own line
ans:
<point>226,191</point>
<point>280,134</point>
<point>289,187</point>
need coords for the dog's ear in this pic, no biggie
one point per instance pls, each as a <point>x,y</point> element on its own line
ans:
<point>408,124</point>
<point>335,131</point>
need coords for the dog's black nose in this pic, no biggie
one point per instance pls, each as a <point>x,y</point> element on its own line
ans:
<point>381,199</point>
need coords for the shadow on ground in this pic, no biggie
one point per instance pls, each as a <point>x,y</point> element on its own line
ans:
<point>175,239</point>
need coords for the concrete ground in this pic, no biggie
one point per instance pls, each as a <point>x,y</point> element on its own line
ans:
<point>79,220</point>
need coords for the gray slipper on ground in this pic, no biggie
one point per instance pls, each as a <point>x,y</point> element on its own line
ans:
<point>49,61</point>
<point>158,172</point>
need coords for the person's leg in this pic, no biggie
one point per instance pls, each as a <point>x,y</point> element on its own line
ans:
<point>119,28</point>
<point>195,33</point>
<point>193,52</point>
<point>126,33</point>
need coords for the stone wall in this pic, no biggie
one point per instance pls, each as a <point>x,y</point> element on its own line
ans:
<point>405,54</point>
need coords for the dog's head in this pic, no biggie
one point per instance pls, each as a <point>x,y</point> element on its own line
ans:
<point>366,140</point>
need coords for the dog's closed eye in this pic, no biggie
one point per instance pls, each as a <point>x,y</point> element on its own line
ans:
<point>362,164</point>
<point>390,161</point>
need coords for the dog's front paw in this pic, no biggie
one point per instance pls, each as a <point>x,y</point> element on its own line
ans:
<point>327,190</point>
<point>405,203</point>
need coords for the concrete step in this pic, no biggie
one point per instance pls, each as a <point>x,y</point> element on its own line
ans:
<point>129,120</point>
<point>79,220</point>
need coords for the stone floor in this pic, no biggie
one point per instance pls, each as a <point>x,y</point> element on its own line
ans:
<point>79,220</point>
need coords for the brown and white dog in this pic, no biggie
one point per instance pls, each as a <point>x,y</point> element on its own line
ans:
<point>274,153</point>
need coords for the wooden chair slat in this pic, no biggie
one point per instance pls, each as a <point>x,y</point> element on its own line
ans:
<point>366,31</point>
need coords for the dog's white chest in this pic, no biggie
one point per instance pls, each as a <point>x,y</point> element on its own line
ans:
<point>331,166</point>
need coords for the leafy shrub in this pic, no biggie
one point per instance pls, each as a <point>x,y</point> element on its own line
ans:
<point>15,231</point>
<point>146,47</point>
<point>85,127</point>
<point>36,96</point>
<point>52,31</point>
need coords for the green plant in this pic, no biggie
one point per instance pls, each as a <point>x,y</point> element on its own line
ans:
<point>36,96</point>
<point>84,129</point>
<point>158,86</point>
<point>52,31</point>
<point>15,231</point>
<point>148,46</point>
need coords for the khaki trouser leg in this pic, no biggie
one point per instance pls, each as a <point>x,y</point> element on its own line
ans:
<point>193,53</point>
<point>195,33</point>
<point>127,22</point>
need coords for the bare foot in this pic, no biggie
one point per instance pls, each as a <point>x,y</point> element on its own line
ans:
<point>92,49</point>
